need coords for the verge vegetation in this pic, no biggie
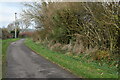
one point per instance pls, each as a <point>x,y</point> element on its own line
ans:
<point>5,44</point>
<point>75,64</point>
<point>86,29</point>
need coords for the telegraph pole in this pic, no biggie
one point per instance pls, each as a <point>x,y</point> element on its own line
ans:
<point>15,26</point>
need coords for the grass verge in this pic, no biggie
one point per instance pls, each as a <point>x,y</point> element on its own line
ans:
<point>0,59</point>
<point>74,64</point>
<point>5,44</point>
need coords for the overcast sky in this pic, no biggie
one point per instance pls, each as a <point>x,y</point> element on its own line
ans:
<point>7,12</point>
<point>10,7</point>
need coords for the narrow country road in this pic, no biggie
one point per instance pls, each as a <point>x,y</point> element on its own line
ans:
<point>23,63</point>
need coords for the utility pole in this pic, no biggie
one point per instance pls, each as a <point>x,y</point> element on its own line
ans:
<point>15,26</point>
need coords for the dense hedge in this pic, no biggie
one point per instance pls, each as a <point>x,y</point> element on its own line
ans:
<point>92,27</point>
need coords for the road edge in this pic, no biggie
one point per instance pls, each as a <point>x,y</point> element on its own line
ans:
<point>54,62</point>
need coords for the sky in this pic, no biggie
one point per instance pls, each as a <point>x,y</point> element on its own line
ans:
<point>7,12</point>
<point>9,8</point>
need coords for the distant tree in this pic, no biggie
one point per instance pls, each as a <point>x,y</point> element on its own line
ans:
<point>13,33</point>
<point>26,34</point>
<point>0,33</point>
<point>5,34</point>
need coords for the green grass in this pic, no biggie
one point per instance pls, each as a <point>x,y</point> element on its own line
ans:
<point>0,58</point>
<point>5,44</point>
<point>74,64</point>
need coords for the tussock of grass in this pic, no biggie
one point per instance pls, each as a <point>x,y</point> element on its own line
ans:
<point>76,65</point>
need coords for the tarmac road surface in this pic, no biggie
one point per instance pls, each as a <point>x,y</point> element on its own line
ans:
<point>24,63</point>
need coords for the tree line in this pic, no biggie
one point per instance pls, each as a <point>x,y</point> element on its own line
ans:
<point>78,27</point>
